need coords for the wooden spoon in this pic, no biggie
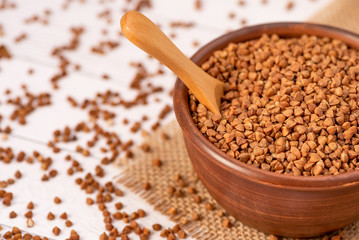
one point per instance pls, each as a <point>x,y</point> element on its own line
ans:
<point>142,32</point>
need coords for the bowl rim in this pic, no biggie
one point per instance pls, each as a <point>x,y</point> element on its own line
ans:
<point>182,112</point>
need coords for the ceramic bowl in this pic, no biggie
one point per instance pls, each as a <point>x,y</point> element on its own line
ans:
<point>292,206</point>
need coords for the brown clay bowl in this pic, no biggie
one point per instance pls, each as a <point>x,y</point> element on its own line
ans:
<point>292,206</point>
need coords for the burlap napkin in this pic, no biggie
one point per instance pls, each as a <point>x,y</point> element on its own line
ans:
<point>176,165</point>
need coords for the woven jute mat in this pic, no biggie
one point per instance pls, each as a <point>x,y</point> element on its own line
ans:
<point>176,172</point>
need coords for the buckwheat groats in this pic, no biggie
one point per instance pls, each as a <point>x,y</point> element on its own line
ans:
<point>290,105</point>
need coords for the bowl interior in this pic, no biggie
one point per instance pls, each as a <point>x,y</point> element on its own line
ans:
<point>184,118</point>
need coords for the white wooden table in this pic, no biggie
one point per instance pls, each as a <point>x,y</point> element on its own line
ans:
<point>35,53</point>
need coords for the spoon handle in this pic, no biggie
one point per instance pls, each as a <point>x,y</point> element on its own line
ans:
<point>143,33</point>
<point>147,36</point>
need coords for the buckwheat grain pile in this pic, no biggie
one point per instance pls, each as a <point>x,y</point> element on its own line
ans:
<point>290,105</point>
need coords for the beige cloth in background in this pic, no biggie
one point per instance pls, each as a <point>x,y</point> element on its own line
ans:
<point>340,13</point>
<point>172,153</point>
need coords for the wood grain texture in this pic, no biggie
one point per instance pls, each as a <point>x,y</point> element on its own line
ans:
<point>292,206</point>
<point>142,32</point>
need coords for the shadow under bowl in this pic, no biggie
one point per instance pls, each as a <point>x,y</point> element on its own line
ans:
<point>291,206</point>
